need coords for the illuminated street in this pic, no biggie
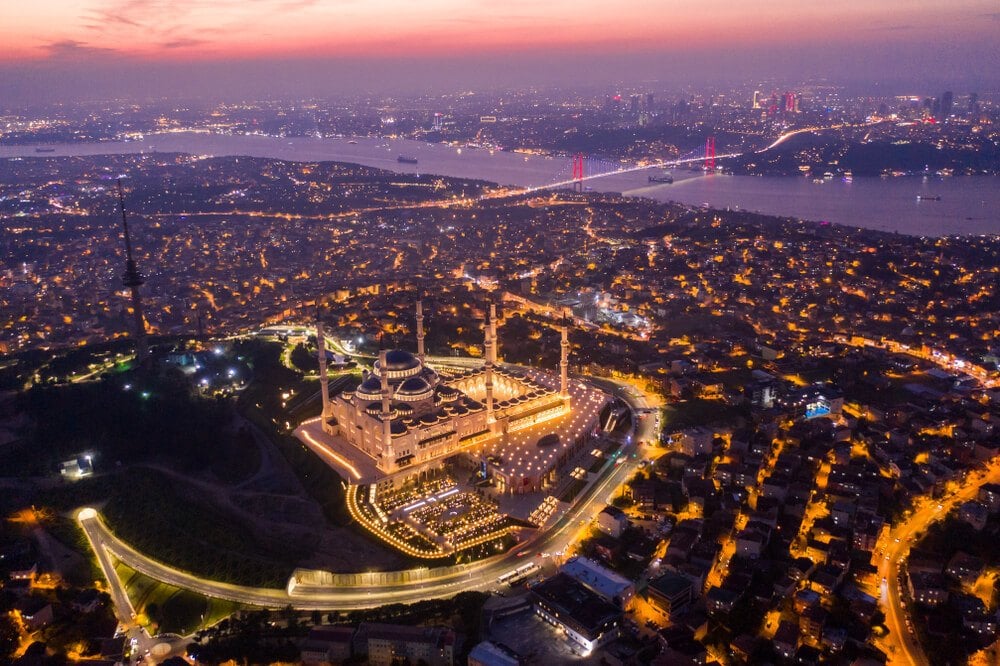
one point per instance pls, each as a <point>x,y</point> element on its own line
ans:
<point>141,642</point>
<point>498,334</point>
<point>901,641</point>
<point>556,538</point>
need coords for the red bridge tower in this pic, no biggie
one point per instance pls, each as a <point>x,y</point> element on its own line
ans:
<point>578,172</point>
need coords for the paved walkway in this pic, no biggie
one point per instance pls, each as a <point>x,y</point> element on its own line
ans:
<point>347,460</point>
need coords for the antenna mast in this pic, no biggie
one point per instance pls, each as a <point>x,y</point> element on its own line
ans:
<point>133,279</point>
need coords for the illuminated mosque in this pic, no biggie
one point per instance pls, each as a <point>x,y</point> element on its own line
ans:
<point>520,426</point>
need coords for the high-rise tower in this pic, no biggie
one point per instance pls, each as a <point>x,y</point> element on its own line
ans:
<point>133,279</point>
<point>947,103</point>
<point>789,102</point>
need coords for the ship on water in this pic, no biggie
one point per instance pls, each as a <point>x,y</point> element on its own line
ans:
<point>665,177</point>
<point>402,159</point>
<point>45,150</point>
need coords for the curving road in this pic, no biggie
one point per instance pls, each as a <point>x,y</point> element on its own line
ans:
<point>135,634</point>
<point>478,576</point>
<point>902,644</point>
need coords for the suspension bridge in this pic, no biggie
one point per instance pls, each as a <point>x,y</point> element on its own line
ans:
<point>588,168</point>
<point>585,168</point>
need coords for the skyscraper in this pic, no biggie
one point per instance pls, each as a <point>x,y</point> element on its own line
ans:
<point>947,102</point>
<point>789,102</point>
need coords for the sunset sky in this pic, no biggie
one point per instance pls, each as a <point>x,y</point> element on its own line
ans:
<point>55,40</point>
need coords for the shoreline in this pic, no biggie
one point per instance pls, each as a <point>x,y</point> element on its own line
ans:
<point>888,204</point>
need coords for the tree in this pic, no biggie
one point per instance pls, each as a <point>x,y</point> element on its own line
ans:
<point>9,638</point>
<point>303,359</point>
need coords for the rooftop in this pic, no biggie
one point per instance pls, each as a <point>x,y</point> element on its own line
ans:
<point>670,584</point>
<point>583,607</point>
<point>398,632</point>
<point>592,575</point>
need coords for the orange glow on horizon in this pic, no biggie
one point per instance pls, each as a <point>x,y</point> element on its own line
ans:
<point>211,30</point>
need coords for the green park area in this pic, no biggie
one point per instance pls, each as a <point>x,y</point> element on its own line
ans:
<point>169,520</point>
<point>163,608</point>
<point>166,457</point>
<point>127,418</point>
<point>698,411</point>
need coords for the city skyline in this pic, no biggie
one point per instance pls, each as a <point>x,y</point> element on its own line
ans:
<point>468,334</point>
<point>193,48</point>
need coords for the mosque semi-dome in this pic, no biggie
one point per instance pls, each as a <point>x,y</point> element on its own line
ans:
<point>370,388</point>
<point>414,388</point>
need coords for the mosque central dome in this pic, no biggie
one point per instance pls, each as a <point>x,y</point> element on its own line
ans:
<point>399,363</point>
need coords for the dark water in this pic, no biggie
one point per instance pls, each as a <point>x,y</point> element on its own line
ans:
<point>968,205</point>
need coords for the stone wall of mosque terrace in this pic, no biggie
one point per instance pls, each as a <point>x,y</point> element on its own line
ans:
<point>305,582</point>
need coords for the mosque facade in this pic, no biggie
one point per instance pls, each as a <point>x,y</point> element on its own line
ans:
<point>405,415</point>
